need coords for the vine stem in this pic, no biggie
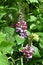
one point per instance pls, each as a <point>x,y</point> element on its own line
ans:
<point>14,60</point>
<point>21,60</point>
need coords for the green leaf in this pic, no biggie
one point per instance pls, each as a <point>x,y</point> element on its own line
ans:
<point>7,41</point>
<point>36,52</point>
<point>41,43</point>
<point>2,14</point>
<point>42,61</point>
<point>41,40</point>
<point>32,1</point>
<point>39,27</point>
<point>40,34</point>
<point>32,18</point>
<point>19,40</point>
<point>2,36</point>
<point>1,7</point>
<point>9,30</point>
<point>41,1</point>
<point>6,46</point>
<point>13,8</point>
<point>2,21</point>
<point>32,27</point>
<point>3,59</point>
<point>35,1</point>
<point>41,8</point>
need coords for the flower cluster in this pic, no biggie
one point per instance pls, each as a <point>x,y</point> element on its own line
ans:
<point>28,51</point>
<point>21,28</point>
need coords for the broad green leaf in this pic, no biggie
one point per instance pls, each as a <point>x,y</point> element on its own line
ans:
<point>9,34</point>
<point>6,46</point>
<point>9,38</point>
<point>3,59</point>
<point>9,30</point>
<point>8,42</point>
<point>19,39</point>
<point>2,36</point>
<point>36,52</point>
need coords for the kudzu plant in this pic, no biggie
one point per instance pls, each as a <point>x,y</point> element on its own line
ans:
<point>21,32</point>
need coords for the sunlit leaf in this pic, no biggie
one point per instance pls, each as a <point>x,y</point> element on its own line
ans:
<point>3,59</point>
<point>2,36</point>
<point>36,52</point>
<point>19,39</point>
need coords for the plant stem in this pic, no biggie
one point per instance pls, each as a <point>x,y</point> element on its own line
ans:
<point>21,60</point>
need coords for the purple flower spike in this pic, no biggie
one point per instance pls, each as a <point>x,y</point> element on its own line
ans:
<point>28,52</point>
<point>21,27</point>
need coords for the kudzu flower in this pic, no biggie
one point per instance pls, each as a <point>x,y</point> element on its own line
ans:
<point>21,28</point>
<point>28,51</point>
